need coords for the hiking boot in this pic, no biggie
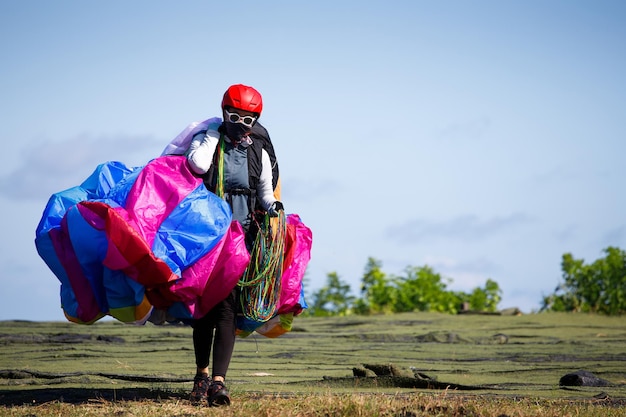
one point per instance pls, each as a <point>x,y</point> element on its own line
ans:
<point>200,391</point>
<point>218,394</point>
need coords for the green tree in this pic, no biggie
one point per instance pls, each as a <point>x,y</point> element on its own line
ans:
<point>424,290</point>
<point>598,287</point>
<point>485,299</point>
<point>419,289</point>
<point>377,292</point>
<point>333,298</point>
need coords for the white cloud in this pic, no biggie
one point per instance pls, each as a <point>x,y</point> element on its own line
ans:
<point>466,227</point>
<point>46,168</point>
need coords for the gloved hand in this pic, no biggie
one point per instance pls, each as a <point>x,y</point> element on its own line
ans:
<point>275,208</point>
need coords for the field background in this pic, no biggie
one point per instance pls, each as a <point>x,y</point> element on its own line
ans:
<point>498,356</point>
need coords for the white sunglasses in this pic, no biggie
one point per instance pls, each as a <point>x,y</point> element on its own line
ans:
<point>247,121</point>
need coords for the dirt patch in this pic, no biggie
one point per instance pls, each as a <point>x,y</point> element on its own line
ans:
<point>70,338</point>
<point>583,378</point>
<point>28,374</point>
<point>391,376</point>
<point>10,398</point>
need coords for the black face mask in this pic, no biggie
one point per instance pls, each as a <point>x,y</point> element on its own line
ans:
<point>236,131</point>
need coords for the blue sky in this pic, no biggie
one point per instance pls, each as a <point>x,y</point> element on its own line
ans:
<point>484,139</point>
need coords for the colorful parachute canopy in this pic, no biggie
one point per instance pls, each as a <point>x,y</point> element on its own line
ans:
<point>130,240</point>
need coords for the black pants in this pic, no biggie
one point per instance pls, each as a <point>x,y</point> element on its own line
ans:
<point>216,331</point>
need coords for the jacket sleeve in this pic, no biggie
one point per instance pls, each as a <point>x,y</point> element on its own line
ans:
<point>265,190</point>
<point>201,150</point>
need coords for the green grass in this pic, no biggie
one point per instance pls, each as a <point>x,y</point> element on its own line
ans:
<point>329,406</point>
<point>516,361</point>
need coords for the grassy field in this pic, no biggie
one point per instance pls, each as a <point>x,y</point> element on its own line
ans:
<point>468,365</point>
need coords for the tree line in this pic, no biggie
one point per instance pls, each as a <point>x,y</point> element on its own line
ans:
<point>599,287</point>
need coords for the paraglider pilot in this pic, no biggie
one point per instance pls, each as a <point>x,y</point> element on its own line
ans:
<point>236,168</point>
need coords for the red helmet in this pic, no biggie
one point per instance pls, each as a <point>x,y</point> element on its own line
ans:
<point>242,97</point>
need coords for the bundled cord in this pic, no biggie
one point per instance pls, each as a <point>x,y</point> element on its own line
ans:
<point>219,189</point>
<point>260,284</point>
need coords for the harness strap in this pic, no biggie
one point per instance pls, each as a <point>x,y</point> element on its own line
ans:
<point>249,192</point>
<point>240,191</point>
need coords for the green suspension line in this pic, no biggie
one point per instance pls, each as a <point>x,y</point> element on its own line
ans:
<point>261,282</point>
<point>219,188</point>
